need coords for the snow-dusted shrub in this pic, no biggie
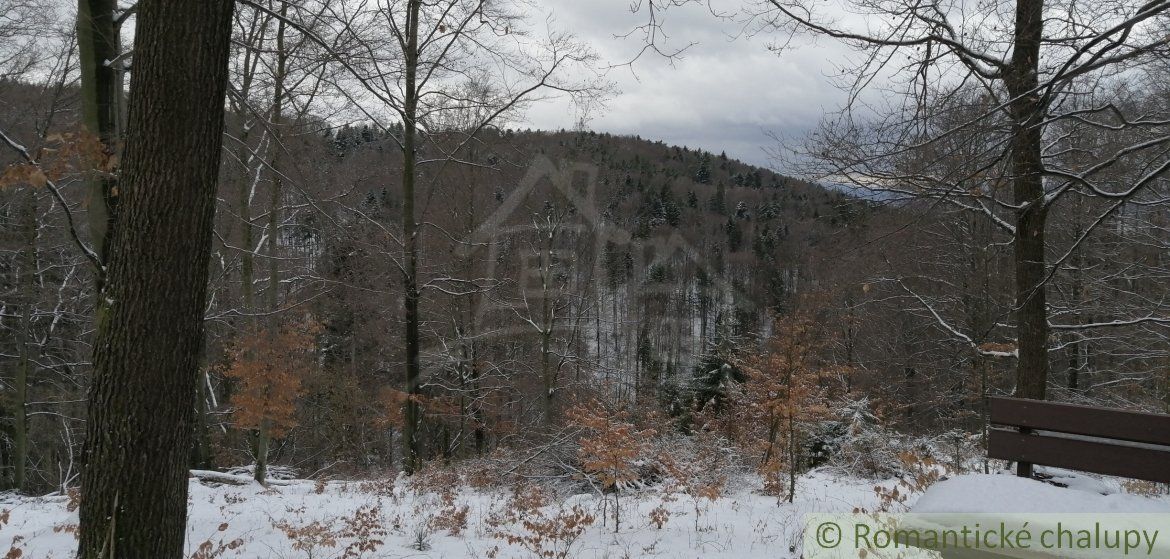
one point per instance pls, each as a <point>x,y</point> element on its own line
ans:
<point>918,474</point>
<point>530,520</point>
<point>348,537</point>
<point>382,487</point>
<point>611,449</point>
<point>697,466</point>
<point>209,550</point>
<point>659,515</point>
<point>313,538</point>
<point>854,442</point>
<point>451,517</point>
<point>421,536</point>
<point>485,473</point>
<point>436,479</point>
<point>217,549</point>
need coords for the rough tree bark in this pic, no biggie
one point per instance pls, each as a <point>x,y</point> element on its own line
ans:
<point>143,397</point>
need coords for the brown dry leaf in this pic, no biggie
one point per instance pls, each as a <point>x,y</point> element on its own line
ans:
<point>110,164</point>
<point>37,178</point>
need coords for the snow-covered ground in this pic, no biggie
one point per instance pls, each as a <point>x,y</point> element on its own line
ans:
<point>1007,494</point>
<point>303,519</point>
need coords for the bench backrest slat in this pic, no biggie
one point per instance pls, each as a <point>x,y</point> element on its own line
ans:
<point>1086,456</point>
<point>1082,420</point>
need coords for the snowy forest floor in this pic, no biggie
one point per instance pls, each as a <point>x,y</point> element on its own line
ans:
<point>398,519</point>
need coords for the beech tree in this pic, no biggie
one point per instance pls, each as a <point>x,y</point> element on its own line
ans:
<point>784,393</point>
<point>270,193</point>
<point>142,398</point>
<point>269,368</point>
<point>611,445</point>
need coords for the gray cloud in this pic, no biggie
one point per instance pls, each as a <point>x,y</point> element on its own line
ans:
<point>727,92</point>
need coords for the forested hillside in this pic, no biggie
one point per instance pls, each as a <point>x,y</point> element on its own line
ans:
<point>317,260</point>
<point>557,268</point>
<point>560,266</point>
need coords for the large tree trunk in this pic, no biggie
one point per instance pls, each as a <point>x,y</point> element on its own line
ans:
<point>142,400</point>
<point>410,455</point>
<point>1028,189</point>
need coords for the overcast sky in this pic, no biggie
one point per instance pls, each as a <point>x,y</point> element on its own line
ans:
<point>728,92</point>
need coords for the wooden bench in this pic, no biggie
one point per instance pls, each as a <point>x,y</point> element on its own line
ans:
<point>1086,438</point>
